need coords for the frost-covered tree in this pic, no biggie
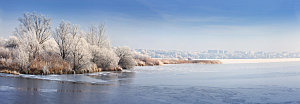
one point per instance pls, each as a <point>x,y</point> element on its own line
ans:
<point>30,45</point>
<point>102,54</point>
<point>79,53</point>
<point>33,31</point>
<point>63,38</point>
<point>126,57</point>
<point>96,36</point>
<point>34,51</point>
<point>37,24</point>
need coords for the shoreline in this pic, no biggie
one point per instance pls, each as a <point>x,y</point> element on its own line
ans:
<point>241,61</point>
<point>146,62</point>
<point>160,62</point>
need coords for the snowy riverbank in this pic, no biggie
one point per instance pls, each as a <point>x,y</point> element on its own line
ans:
<point>239,61</point>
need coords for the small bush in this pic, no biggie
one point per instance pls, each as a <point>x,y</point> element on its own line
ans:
<point>106,59</point>
<point>126,58</point>
<point>5,53</point>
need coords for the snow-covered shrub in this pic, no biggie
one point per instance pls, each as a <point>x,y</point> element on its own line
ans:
<point>50,47</point>
<point>140,56</point>
<point>126,57</point>
<point>4,53</point>
<point>21,57</point>
<point>106,59</point>
<point>12,42</point>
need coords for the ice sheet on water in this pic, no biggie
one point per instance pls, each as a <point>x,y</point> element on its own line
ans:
<point>80,78</point>
<point>243,61</point>
<point>6,88</point>
<point>216,95</point>
<point>9,88</point>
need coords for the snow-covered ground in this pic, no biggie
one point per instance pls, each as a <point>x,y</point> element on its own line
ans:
<point>237,61</point>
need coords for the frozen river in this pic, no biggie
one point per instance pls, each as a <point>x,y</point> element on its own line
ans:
<point>169,84</point>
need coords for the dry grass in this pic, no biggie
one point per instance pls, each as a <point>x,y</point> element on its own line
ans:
<point>50,65</point>
<point>8,65</point>
<point>140,63</point>
<point>153,62</point>
<point>89,69</point>
<point>118,68</point>
<point>9,72</point>
<point>55,65</point>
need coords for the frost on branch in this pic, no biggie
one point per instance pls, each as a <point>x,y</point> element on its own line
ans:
<point>63,38</point>
<point>32,32</point>
<point>37,25</point>
<point>102,54</point>
<point>30,45</point>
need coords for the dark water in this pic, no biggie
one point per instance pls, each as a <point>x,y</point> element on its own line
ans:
<point>169,84</point>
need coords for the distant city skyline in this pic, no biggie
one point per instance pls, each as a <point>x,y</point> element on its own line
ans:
<point>266,25</point>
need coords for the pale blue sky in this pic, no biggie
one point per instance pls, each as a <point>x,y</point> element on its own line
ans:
<point>268,25</point>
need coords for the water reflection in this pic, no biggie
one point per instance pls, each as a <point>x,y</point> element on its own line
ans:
<point>36,90</point>
<point>176,84</point>
<point>118,78</point>
<point>27,91</point>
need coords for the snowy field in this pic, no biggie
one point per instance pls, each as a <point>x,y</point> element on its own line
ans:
<point>241,61</point>
<point>236,61</point>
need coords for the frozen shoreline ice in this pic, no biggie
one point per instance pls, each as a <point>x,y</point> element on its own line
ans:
<point>241,61</point>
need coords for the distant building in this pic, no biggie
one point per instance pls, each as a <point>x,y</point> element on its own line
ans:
<point>213,51</point>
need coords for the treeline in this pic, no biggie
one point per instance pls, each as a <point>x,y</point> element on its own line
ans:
<point>37,48</point>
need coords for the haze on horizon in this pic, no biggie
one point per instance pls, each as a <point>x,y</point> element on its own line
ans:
<point>267,25</point>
